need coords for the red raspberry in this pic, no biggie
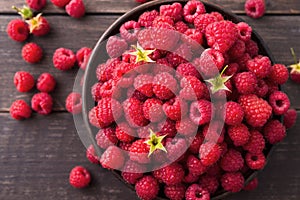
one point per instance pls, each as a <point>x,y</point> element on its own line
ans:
<point>255,8</point>
<point>75,8</point>
<point>195,144</point>
<point>290,118</point>
<point>106,137</point>
<point>124,133</point>
<point>245,31</point>
<point>196,192</point>
<point>60,3</point>
<point>74,103</point>
<point>201,112</point>
<point>260,66</point>
<point>194,38</point>
<point>144,84</point>
<point>112,158</point>
<point>186,127</point>
<point>95,91</point>
<point>116,46</point>
<point>147,18</point>
<point>36,4</point>
<point>64,59</point>
<point>132,172</point>
<point>218,15</point>
<point>108,89</point>
<point>167,128</point>
<point>175,11</point>
<point>46,83</point>
<point>209,153</point>
<point>203,20</point>
<point>107,111</point>
<point>252,185</point>
<point>133,109</point>
<point>209,183</point>
<point>232,69</point>
<point>252,48</point>
<point>159,20</point>
<point>232,161</point>
<point>232,181</point>
<point>237,50</point>
<point>256,143</point>
<point>192,88</point>
<point>175,192</point>
<point>192,10</point>
<point>147,188</point>
<point>262,88</point>
<point>82,57</point>
<point>176,148</point>
<point>245,82</point>
<point>242,61</point>
<point>152,109</point>
<point>172,174</point>
<point>221,35</point>
<point>39,26</point>
<point>17,30</point>
<point>42,103</point>
<point>195,166</point>
<point>181,27</point>
<point>165,38</point>
<point>79,177</point>
<point>187,69</point>
<point>239,134</point>
<point>274,131</point>
<point>19,110</point>
<point>32,53</point>
<point>125,146</point>
<point>255,161</point>
<point>190,178</point>
<point>257,111</point>
<point>279,74</point>
<point>175,109</point>
<point>104,72</point>
<point>234,113</point>
<point>279,102</point>
<point>23,81</point>
<point>214,132</point>
<point>129,31</point>
<point>91,155</point>
<point>165,86</point>
<point>139,151</point>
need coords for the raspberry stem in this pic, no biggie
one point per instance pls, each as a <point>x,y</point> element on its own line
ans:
<point>294,55</point>
<point>25,12</point>
<point>155,142</point>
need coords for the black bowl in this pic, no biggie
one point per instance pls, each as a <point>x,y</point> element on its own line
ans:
<point>99,49</point>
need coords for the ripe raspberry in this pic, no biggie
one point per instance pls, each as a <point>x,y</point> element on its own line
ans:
<point>104,72</point>
<point>279,102</point>
<point>75,8</point>
<point>255,161</point>
<point>262,88</point>
<point>209,153</point>
<point>60,3</point>
<point>144,84</point>
<point>175,147</point>
<point>32,53</point>
<point>245,82</point>
<point>237,50</point>
<point>195,144</point>
<point>112,158</point>
<point>23,81</point>
<point>234,113</point>
<point>125,146</point>
<point>147,188</point>
<point>175,11</point>
<point>290,118</point>
<point>91,155</point>
<point>196,192</point>
<point>107,111</point>
<point>209,183</point>
<point>175,109</point>
<point>255,8</point>
<point>79,177</point>
<point>133,109</point>
<point>252,185</point>
<point>190,178</point>
<point>165,38</point>
<point>139,151</point>
<point>244,31</point>
<point>124,133</point>
<point>201,112</point>
<point>203,20</point>
<point>192,88</point>
<point>256,143</point>
<point>218,15</point>
<point>162,21</point>
<point>242,61</point>
<point>153,111</point>
<point>181,27</point>
<point>129,31</point>
<point>38,25</point>
<point>175,192</point>
<point>132,172</point>
<point>221,35</point>
<point>165,86</point>
<point>19,110</point>
<point>257,111</point>
<point>274,131</point>
<point>232,181</point>
<point>17,30</point>
<point>279,74</point>
<point>171,174</point>
<point>186,127</point>
<point>252,48</point>
<point>106,137</point>
<point>82,57</point>
<point>232,161</point>
<point>214,132</point>
<point>95,91</point>
<point>194,38</point>
<point>260,66</point>
<point>108,89</point>
<point>46,83</point>
<point>192,10</point>
<point>147,18</point>
<point>36,4</point>
<point>63,59</point>
<point>195,166</point>
<point>232,69</point>
<point>187,69</point>
<point>239,134</point>
<point>42,103</point>
<point>116,46</point>
<point>74,103</point>
<point>167,128</point>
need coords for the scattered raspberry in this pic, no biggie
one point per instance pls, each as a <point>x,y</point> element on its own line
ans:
<point>152,109</point>
<point>252,185</point>
<point>115,46</point>
<point>234,113</point>
<point>232,181</point>
<point>147,18</point>
<point>175,109</point>
<point>75,8</point>
<point>245,82</point>
<point>124,133</point>
<point>192,10</point>
<point>106,137</point>
<point>112,158</point>
<point>290,118</point>
<point>74,103</point>
<point>42,103</point>
<point>175,192</point>
<point>19,110</point>
<point>256,143</point>
<point>132,172</point>
<point>252,48</point>
<point>255,161</point>
<point>17,30</point>
<point>63,59</point>
<point>82,57</point>
<point>209,183</point>
<point>181,26</point>
<point>60,3</point>
<point>36,4</point>
<point>203,20</point>
<point>245,31</point>
<point>209,153</point>
<point>133,109</point>
<point>39,26</point>
<point>260,66</point>
<point>279,102</point>
<point>32,53</point>
<point>139,151</point>
<point>79,177</point>
<point>195,166</point>
<point>91,155</point>
<point>175,11</point>
<point>279,74</point>
<point>196,192</point>
<point>165,86</point>
<point>232,161</point>
<point>46,83</point>
<point>144,84</point>
<point>147,188</point>
<point>23,81</point>
<point>274,131</point>
<point>201,112</point>
<point>255,8</point>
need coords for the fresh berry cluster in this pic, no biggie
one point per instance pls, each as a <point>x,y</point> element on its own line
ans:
<point>74,8</point>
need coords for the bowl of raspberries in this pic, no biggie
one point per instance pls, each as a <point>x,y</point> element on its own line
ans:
<point>182,100</point>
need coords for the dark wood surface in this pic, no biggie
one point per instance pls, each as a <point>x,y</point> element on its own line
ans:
<point>37,154</point>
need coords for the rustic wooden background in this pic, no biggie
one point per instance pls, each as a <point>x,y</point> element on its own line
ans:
<point>36,155</point>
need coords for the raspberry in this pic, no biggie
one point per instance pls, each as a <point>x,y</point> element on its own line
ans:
<point>192,88</point>
<point>192,10</point>
<point>108,89</point>
<point>75,8</point>
<point>91,155</point>
<point>203,20</point>
<point>32,53</point>
<point>187,69</point>
<point>181,26</point>
<point>147,18</point>
<point>107,111</point>
<point>175,11</point>
<point>232,181</point>
<point>133,109</point>
<point>106,137</point>
<point>46,83</point>
<point>129,31</point>
<point>112,158</point>
<point>175,192</point>
<point>23,81</point>
<point>195,166</point>
<point>63,59</point>
<point>237,50</point>
<point>175,59</point>
<point>190,178</point>
<point>167,128</point>
<point>147,188</point>
<point>244,31</point>
<point>245,82</point>
<point>279,102</point>
<point>165,86</point>
<point>60,3</point>
<point>232,161</point>
<point>193,37</point>
<point>19,110</point>
<point>279,74</point>
<point>36,4</point>
<point>139,151</point>
<point>252,185</point>
<point>214,132</point>
<point>209,153</point>
<point>165,38</point>
<point>274,131</point>
<point>242,61</point>
<point>262,88</point>
<point>152,109</point>
<point>42,103</point>
<point>255,161</point>
<point>159,20</point>
<point>252,48</point>
<point>218,15</point>
<point>260,66</point>
<point>196,192</point>
<point>255,8</point>
<point>232,69</point>
<point>125,146</point>
<point>95,91</point>
<point>74,103</point>
<point>124,133</point>
<point>221,35</point>
<point>209,183</point>
<point>290,118</point>
<point>144,84</point>
<point>39,26</point>
<point>195,144</point>
<point>175,147</point>
<point>82,57</point>
<point>104,72</point>
<point>79,177</point>
<point>175,109</point>
<point>17,30</point>
<point>116,46</point>
<point>201,112</point>
<point>186,127</point>
<point>239,134</point>
<point>132,172</point>
<point>234,113</point>
<point>171,174</point>
<point>256,143</point>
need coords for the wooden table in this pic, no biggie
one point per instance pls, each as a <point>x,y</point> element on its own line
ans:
<point>37,154</point>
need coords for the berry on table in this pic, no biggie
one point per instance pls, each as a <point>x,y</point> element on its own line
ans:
<point>279,102</point>
<point>38,25</point>
<point>79,177</point>
<point>23,81</point>
<point>19,110</point>
<point>74,103</point>
<point>60,3</point>
<point>255,8</point>
<point>32,53</point>
<point>17,30</point>
<point>75,8</point>
<point>290,118</point>
<point>295,69</point>
<point>82,57</point>
<point>63,59</point>
<point>42,103</point>
<point>279,74</point>
<point>147,188</point>
<point>46,83</point>
<point>36,4</point>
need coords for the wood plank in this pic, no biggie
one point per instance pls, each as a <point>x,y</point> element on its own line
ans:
<point>37,154</point>
<point>107,6</point>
